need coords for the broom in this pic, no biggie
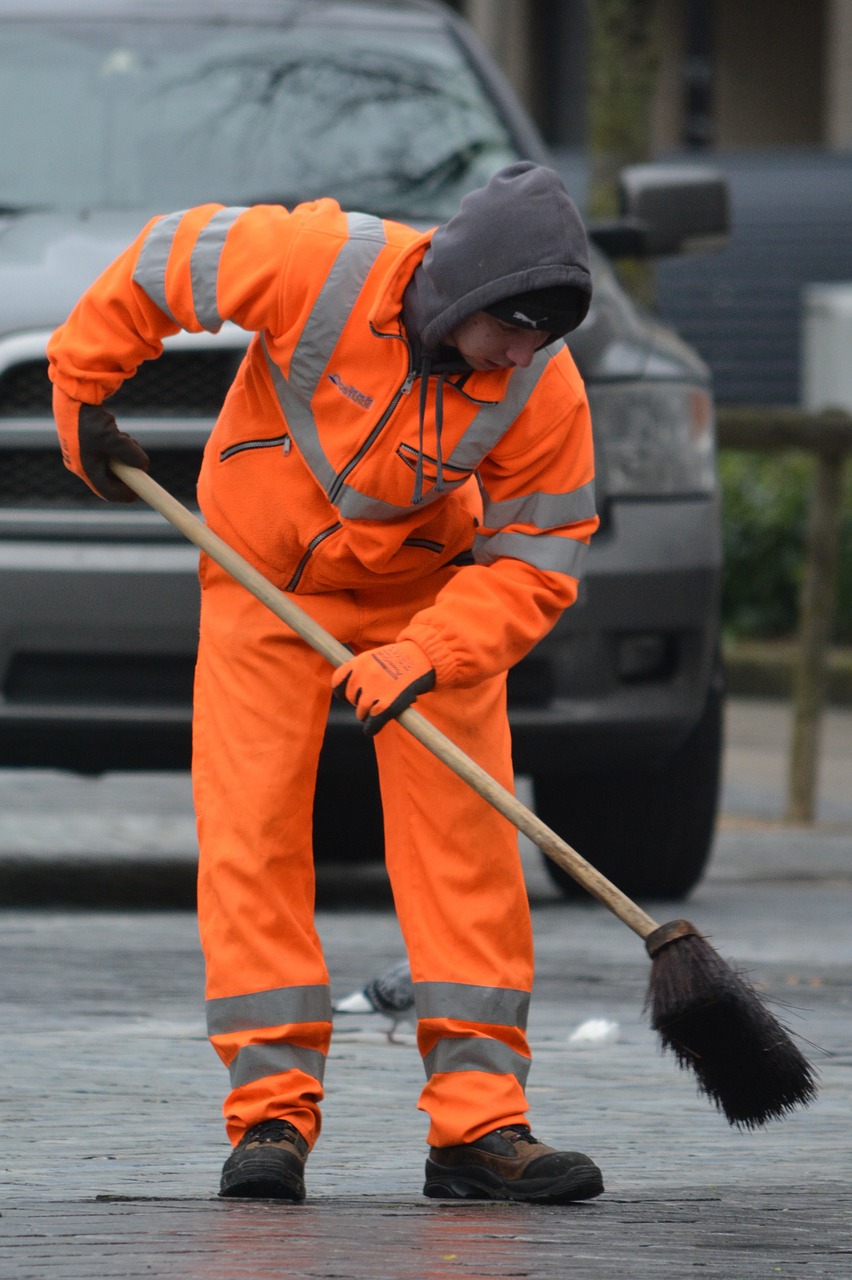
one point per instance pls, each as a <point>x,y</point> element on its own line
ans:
<point>708,1015</point>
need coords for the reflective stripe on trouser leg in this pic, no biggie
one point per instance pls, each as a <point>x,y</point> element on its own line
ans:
<point>462,904</point>
<point>274,1044</point>
<point>260,708</point>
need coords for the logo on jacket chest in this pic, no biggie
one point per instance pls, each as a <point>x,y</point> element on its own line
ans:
<point>360,398</point>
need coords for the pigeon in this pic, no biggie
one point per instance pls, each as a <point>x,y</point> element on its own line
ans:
<point>390,993</point>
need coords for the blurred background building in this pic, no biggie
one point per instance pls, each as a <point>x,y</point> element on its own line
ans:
<point>764,73</point>
<point>761,90</point>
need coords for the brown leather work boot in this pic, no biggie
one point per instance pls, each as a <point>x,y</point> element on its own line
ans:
<point>510,1164</point>
<point>267,1163</point>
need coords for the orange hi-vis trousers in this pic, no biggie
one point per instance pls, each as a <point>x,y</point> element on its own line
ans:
<point>261,704</point>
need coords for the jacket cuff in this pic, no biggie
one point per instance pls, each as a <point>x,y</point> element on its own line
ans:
<point>448,669</point>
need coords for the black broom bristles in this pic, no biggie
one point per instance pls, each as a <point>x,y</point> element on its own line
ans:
<point>715,1023</point>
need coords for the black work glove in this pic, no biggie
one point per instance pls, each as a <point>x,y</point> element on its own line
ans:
<point>89,437</point>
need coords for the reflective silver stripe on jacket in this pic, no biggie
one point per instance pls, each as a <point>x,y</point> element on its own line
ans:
<point>543,510</point>
<point>256,1061</point>
<point>335,303</point>
<point>472,1053</point>
<point>491,423</point>
<point>303,428</point>
<point>150,271</point>
<point>204,267</point>
<point>497,1006</point>
<point>543,551</point>
<point>278,1007</point>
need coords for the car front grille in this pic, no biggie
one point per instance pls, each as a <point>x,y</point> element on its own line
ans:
<point>182,384</point>
<point>36,479</point>
<point>78,679</point>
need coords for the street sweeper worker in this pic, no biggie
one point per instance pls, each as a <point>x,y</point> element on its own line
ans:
<point>407,448</point>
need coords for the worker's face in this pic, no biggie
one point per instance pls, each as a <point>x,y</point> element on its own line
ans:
<point>488,343</point>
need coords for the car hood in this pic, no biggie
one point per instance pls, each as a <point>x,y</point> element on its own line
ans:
<point>48,259</point>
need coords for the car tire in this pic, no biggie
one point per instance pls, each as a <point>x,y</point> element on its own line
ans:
<point>651,833</point>
<point>348,814</point>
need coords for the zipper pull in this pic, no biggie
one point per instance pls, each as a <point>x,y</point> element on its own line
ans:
<point>409,382</point>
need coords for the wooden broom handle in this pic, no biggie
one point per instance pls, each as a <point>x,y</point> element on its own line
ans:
<point>426,733</point>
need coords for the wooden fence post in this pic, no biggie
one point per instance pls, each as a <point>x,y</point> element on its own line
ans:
<point>816,620</point>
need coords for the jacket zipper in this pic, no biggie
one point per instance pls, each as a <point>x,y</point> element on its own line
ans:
<point>244,445</point>
<point>309,551</point>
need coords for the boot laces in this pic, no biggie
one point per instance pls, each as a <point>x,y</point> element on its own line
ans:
<point>271,1131</point>
<point>517,1133</point>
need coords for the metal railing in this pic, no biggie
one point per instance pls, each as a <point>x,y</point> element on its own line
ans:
<point>828,436</point>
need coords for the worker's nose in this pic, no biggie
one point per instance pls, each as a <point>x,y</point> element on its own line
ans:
<point>522,347</point>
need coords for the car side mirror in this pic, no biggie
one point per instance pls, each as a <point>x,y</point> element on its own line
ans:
<point>666,209</point>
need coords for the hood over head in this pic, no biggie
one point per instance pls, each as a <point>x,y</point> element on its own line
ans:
<point>521,234</point>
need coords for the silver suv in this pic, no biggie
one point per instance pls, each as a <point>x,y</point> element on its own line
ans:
<point>117,111</point>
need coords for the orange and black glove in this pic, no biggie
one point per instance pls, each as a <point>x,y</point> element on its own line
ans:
<point>89,437</point>
<point>380,683</point>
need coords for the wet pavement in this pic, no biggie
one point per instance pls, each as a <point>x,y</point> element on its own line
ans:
<point>112,1137</point>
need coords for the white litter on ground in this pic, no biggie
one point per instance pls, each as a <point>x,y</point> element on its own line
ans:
<point>593,1033</point>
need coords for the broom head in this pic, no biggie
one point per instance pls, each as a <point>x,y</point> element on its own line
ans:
<point>715,1023</point>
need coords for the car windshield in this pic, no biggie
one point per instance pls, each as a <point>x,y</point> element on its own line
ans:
<point>165,115</point>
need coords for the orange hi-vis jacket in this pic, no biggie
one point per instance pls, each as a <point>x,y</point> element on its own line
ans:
<point>336,461</point>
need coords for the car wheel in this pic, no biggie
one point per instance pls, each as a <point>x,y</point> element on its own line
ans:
<point>651,833</point>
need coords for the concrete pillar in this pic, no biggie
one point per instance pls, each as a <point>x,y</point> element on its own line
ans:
<point>667,108</point>
<point>838,78</point>
<point>504,27</point>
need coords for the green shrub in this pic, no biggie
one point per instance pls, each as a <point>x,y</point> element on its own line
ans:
<point>765,501</point>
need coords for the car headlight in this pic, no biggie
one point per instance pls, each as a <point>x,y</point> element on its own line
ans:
<point>654,438</point>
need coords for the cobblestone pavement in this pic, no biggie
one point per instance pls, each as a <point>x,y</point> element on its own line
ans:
<point>110,1097</point>
<point>112,1139</point>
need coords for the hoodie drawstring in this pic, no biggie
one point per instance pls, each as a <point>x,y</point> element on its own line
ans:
<point>425,370</point>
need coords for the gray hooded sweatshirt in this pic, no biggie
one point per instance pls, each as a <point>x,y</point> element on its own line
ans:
<point>520,232</point>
